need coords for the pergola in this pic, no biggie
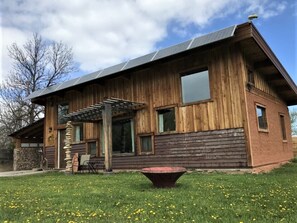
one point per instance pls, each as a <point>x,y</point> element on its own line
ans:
<point>104,111</point>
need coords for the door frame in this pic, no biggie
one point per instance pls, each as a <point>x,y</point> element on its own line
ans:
<point>59,149</point>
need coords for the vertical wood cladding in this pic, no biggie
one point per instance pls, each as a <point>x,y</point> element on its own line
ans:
<point>160,85</point>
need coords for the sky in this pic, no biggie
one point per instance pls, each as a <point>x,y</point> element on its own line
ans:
<point>103,33</point>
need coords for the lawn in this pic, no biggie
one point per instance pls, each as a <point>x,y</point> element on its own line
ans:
<point>130,197</point>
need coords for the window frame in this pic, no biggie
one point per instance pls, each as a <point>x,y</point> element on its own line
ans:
<point>191,72</point>
<point>157,119</point>
<point>283,127</point>
<point>266,119</point>
<point>133,137</point>
<point>140,144</point>
<point>87,146</point>
<point>74,141</point>
<point>57,110</point>
<point>250,76</point>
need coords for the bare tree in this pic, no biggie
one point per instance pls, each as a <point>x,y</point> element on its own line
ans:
<point>293,115</point>
<point>35,65</point>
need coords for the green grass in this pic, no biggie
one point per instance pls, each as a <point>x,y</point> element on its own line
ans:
<point>130,197</point>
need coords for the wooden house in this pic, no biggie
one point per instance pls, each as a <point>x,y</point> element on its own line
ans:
<point>216,101</point>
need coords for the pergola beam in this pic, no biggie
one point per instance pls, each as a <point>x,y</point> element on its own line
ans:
<point>104,111</point>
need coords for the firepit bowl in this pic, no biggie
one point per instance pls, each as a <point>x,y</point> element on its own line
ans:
<point>163,177</point>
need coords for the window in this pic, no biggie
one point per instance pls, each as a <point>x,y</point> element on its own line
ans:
<point>146,144</point>
<point>251,77</point>
<point>261,115</point>
<point>92,148</point>
<point>122,136</point>
<point>78,132</point>
<point>195,87</point>
<point>283,127</point>
<point>63,109</point>
<point>166,120</point>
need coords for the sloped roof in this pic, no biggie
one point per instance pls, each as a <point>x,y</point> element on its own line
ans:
<point>34,130</point>
<point>151,57</point>
<point>252,43</point>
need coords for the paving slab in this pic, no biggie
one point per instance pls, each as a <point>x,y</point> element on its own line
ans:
<point>21,173</point>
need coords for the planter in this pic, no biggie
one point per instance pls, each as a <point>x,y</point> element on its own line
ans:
<point>163,177</point>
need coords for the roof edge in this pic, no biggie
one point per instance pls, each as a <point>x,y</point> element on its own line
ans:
<point>270,54</point>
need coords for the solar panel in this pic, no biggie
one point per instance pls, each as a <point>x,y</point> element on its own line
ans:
<point>112,70</point>
<point>87,77</point>
<point>213,37</point>
<point>34,94</point>
<point>50,89</point>
<point>139,61</point>
<point>172,50</point>
<point>67,84</point>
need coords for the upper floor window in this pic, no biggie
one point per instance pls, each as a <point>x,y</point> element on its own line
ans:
<point>195,87</point>
<point>166,120</point>
<point>262,119</point>
<point>251,77</point>
<point>63,109</point>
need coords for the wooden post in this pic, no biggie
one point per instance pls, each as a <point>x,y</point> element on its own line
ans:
<point>107,131</point>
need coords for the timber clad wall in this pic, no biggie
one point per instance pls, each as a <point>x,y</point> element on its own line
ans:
<point>220,148</point>
<point>50,156</point>
<point>160,86</point>
<point>78,148</point>
<point>210,149</point>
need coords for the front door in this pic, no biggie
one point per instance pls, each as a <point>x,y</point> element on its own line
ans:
<point>61,151</point>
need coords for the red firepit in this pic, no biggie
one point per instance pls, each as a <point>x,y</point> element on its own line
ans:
<point>163,176</point>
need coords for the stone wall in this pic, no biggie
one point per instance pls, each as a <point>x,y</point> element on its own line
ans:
<point>26,158</point>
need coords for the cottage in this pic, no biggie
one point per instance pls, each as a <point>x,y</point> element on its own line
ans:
<point>216,101</point>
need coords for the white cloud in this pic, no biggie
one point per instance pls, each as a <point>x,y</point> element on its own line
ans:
<point>106,32</point>
<point>266,8</point>
<point>7,37</point>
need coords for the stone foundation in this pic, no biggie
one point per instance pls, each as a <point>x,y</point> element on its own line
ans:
<point>26,158</point>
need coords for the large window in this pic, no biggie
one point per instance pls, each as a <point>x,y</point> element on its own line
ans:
<point>195,87</point>
<point>166,120</point>
<point>122,136</point>
<point>283,126</point>
<point>78,132</point>
<point>262,119</point>
<point>63,109</point>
